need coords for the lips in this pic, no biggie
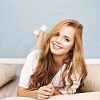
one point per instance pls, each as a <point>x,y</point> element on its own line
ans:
<point>55,46</point>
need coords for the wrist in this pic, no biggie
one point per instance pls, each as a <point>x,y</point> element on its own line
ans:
<point>34,95</point>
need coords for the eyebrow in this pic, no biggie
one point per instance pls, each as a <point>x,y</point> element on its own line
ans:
<point>67,37</point>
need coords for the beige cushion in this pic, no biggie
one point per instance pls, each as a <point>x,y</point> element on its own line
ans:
<point>80,96</point>
<point>92,82</point>
<point>7,73</point>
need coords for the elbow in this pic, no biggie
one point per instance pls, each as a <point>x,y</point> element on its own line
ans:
<point>20,92</point>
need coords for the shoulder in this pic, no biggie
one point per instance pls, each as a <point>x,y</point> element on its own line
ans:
<point>34,54</point>
<point>32,59</point>
<point>31,62</point>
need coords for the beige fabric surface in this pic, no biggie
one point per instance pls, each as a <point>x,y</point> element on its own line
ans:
<point>7,73</point>
<point>92,82</point>
<point>18,98</point>
<point>80,96</point>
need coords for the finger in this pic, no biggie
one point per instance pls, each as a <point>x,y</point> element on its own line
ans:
<point>47,89</point>
<point>44,96</point>
<point>46,93</point>
<point>50,86</point>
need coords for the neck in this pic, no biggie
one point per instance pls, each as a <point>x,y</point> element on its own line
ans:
<point>58,60</point>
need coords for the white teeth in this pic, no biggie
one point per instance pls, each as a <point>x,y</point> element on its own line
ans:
<point>57,47</point>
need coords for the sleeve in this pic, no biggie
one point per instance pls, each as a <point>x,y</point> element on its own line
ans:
<point>27,70</point>
<point>73,88</point>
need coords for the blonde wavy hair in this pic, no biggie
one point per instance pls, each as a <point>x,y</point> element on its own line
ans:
<point>44,71</point>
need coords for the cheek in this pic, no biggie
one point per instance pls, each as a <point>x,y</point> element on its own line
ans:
<point>67,46</point>
<point>70,44</point>
<point>52,39</point>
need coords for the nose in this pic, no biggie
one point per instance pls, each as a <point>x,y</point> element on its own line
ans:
<point>58,40</point>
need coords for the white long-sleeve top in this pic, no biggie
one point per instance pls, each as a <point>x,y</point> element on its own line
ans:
<point>30,66</point>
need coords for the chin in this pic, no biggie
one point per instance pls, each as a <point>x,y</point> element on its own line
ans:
<point>56,52</point>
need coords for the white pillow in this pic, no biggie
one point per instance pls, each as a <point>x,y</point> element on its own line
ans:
<point>7,73</point>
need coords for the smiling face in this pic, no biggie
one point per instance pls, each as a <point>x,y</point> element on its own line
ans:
<point>63,41</point>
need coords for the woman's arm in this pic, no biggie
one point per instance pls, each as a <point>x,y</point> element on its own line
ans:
<point>23,92</point>
<point>42,93</point>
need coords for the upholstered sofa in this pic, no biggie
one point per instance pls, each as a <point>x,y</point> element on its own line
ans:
<point>91,90</point>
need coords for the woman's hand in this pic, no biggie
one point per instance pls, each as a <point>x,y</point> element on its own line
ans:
<point>44,92</point>
<point>54,89</point>
<point>51,87</point>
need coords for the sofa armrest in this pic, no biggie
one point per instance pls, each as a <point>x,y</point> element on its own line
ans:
<point>92,81</point>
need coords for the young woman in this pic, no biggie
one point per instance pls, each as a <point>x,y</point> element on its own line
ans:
<point>58,67</point>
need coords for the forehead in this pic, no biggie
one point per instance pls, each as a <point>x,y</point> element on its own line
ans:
<point>67,30</point>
